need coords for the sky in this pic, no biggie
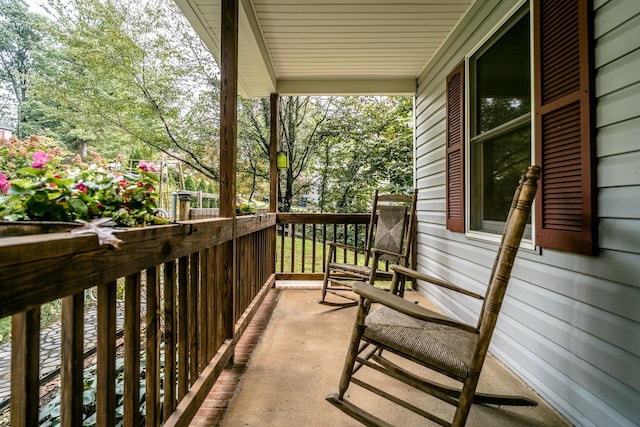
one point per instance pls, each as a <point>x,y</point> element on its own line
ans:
<point>34,6</point>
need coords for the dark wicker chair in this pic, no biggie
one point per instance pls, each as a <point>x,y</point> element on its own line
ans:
<point>389,239</point>
<point>440,343</point>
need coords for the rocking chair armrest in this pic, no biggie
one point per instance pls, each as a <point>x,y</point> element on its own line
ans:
<point>397,303</point>
<point>343,246</point>
<point>433,280</point>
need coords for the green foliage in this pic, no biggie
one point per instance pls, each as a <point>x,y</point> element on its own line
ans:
<point>21,36</point>
<point>369,146</point>
<point>244,209</point>
<point>49,189</point>
<point>342,148</point>
<point>127,75</point>
<point>50,414</point>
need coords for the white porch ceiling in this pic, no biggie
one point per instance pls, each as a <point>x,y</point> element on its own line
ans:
<point>330,47</point>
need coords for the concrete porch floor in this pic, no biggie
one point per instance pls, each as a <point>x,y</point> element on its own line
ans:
<point>292,355</point>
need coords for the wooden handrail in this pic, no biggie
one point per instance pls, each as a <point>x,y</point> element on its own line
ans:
<point>323,218</point>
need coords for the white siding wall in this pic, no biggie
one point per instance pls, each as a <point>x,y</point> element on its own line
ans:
<point>570,325</point>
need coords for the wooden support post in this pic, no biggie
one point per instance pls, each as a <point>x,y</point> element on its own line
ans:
<point>274,180</point>
<point>226,269</point>
<point>274,143</point>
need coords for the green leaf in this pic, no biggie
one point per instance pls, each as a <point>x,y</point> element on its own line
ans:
<point>78,206</point>
<point>32,171</point>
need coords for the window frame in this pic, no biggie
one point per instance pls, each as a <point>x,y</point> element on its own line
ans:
<point>521,8</point>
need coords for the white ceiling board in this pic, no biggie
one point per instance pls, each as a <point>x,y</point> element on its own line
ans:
<point>290,44</point>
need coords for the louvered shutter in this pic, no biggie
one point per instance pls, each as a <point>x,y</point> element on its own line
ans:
<point>455,150</point>
<point>566,211</point>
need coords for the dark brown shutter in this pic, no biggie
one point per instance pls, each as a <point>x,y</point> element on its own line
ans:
<point>566,207</point>
<point>455,149</point>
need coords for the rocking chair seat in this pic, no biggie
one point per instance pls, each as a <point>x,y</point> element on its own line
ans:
<point>440,346</point>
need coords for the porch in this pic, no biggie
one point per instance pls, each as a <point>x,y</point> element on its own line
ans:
<point>292,356</point>
<point>190,292</point>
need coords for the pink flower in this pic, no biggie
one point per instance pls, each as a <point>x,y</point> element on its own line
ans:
<point>147,167</point>
<point>82,187</point>
<point>4,183</point>
<point>40,159</point>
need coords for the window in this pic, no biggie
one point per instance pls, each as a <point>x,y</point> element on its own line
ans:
<point>502,116</point>
<point>500,123</point>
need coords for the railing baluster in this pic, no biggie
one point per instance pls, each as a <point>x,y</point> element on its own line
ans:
<point>344,241</point>
<point>71,368</point>
<point>183,358</point>
<point>313,249</point>
<point>355,243</point>
<point>206,259</point>
<point>293,247</point>
<point>132,350</point>
<point>304,244</point>
<point>282,247</point>
<point>169,339</point>
<point>324,247</point>
<point>25,357</point>
<point>192,296</point>
<point>106,386</point>
<point>335,239</point>
<point>210,305</point>
<point>152,374</point>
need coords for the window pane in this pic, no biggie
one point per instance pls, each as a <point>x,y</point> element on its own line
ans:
<point>503,159</point>
<point>503,79</point>
<point>500,134</point>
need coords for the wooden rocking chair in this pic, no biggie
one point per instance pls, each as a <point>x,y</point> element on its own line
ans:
<point>442,344</point>
<point>389,238</point>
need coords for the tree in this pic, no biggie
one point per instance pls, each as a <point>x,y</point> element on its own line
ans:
<point>368,145</point>
<point>253,145</point>
<point>301,124</point>
<point>20,37</point>
<point>135,73</point>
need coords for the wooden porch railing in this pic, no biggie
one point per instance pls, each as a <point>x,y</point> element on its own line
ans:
<point>302,241</point>
<point>194,313</point>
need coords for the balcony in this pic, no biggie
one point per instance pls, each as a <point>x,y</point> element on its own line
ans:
<point>187,293</point>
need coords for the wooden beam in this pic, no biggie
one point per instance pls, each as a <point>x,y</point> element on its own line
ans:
<point>228,107</point>
<point>226,266</point>
<point>274,143</point>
